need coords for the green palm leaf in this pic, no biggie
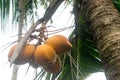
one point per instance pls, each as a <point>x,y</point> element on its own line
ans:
<point>117,4</point>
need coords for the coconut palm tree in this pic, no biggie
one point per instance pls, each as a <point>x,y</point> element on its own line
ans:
<point>95,40</point>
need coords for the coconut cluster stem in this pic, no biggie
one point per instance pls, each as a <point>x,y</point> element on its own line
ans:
<point>49,12</point>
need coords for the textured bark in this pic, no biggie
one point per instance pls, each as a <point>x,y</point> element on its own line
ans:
<point>104,22</point>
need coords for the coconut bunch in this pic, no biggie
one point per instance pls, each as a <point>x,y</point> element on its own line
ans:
<point>44,55</point>
<point>47,54</point>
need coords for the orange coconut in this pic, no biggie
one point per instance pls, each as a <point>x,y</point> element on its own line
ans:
<point>59,43</point>
<point>24,56</point>
<point>54,68</point>
<point>44,55</point>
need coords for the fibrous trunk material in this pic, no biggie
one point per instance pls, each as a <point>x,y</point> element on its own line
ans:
<point>104,22</point>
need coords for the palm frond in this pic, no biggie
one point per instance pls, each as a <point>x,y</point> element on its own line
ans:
<point>87,56</point>
<point>4,8</point>
<point>117,4</point>
<point>40,75</point>
<point>13,5</point>
<point>4,11</point>
<point>45,3</point>
<point>48,76</point>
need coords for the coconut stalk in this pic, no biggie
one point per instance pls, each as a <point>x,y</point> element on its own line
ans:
<point>21,24</point>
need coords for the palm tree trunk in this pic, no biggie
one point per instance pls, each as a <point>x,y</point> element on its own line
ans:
<point>21,8</point>
<point>104,22</point>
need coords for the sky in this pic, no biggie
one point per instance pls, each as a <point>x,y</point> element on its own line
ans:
<point>97,76</point>
<point>61,19</point>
